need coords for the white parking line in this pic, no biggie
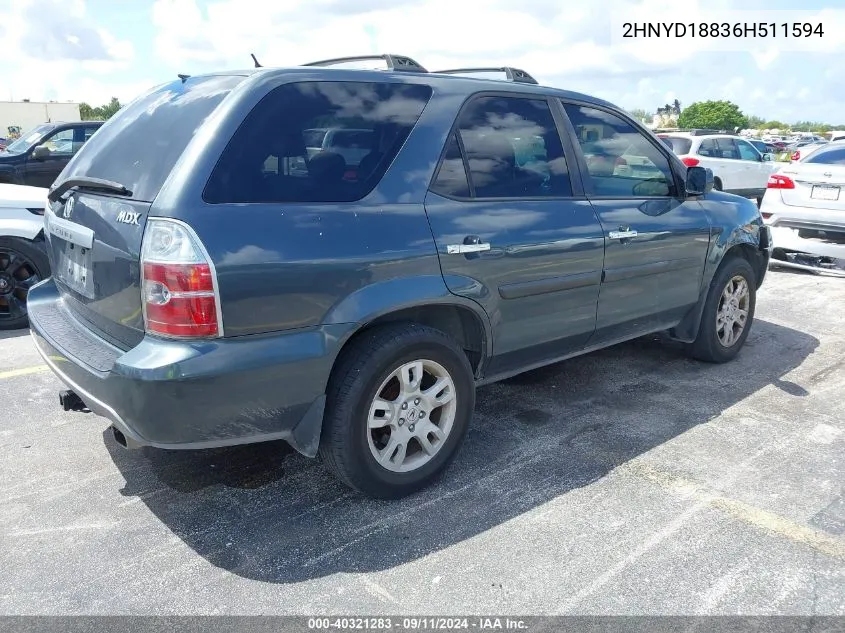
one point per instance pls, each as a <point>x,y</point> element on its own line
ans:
<point>23,372</point>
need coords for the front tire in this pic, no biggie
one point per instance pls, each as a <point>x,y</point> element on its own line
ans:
<point>22,264</point>
<point>399,405</point>
<point>728,312</point>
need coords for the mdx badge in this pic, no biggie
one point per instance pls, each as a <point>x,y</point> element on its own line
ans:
<point>128,217</point>
<point>69,206</point>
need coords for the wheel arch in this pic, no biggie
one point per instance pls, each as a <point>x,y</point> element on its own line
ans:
<point>425,300</point>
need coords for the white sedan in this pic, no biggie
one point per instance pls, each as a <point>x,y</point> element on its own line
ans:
<point>805,206</point>
<point>23,260</point>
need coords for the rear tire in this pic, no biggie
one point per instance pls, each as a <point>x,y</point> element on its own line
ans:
<point>398,448</point>
<point>728,312</point>
<point>717,184</point>
<point>22,264</point>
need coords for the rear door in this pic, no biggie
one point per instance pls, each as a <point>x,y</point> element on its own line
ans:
<point>94,239</point>
<point>757,169</point>
<point>514,231</point>
<point>656,241</point>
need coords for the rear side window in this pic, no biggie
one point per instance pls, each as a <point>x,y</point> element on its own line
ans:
<point>833,156</point>
<point>322,141</point>
<point>512,149</point>
<point>678,144</point>
<point>139,146</point>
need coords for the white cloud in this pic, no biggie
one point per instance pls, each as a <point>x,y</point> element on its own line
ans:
<point>55,50</point>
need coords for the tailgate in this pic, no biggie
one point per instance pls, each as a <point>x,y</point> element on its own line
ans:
<point>94,246</point>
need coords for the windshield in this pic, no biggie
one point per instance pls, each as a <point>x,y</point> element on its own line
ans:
<point>28,140</point>
<point>139,146</point>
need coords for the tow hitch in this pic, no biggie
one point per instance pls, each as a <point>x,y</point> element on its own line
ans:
<point>70,401</point>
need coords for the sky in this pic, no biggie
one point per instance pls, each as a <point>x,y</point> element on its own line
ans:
<point>92,50</point>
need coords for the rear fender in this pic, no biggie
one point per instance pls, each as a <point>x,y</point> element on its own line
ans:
<point>393,295</point>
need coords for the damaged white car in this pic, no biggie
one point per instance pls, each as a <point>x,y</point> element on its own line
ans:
<point>804,205</point>
<point>23,259</point>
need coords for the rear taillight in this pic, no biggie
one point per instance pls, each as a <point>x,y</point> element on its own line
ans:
<point>179,286</point>
<point>689,161</point>
<point>777,181</point>
<point>795,155</point>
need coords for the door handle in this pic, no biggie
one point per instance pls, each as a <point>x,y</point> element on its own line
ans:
<point>624,233</point>
<point>472,244</point>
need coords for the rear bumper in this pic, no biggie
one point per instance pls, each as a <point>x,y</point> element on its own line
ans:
<point>191,395</point>
<point>805,238</point>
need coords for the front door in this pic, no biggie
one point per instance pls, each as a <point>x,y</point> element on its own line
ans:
<point>656,240</point>
<point>512,232</point>
<point>42,171</point>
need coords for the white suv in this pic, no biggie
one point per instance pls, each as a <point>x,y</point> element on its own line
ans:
<point>737,165</point>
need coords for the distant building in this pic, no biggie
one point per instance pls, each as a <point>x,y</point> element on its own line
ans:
<point>27,114</point>
<point>667,116</point>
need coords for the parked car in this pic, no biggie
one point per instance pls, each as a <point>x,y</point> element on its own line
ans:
<point>736,164</point>
<point>202,300</point>
<point>23,258</point>
<point>37,157</point>
<point>805,207</point>
<point>803,150</point>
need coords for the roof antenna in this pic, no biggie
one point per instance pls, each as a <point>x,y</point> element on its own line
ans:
<point>257,65</point>
<point>184,78</point>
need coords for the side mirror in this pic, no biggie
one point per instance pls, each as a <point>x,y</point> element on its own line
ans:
<point>40,153</point>
<point>766,158</point>
<point>699,181</point>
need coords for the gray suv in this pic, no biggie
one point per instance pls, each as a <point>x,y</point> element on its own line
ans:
<point>231,282</point>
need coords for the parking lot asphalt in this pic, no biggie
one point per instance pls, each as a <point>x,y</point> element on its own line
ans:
<point>630,481</point>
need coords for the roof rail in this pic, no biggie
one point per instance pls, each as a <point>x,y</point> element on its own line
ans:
<point>394,62</point>
<point>511,74</point>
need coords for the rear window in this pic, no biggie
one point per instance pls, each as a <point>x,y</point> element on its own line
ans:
<point>139,146</point>
<point>322,141</point>
<point>678,144</point>
<point>827,156</point>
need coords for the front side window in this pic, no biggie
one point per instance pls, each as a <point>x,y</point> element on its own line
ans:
<point>512,149</point>
<point>59,144</point>
<point>747,151</point>
<point>621,161</point>
<point>320,141</point>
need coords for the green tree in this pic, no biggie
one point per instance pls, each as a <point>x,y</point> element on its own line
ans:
<point>100,113</point>
<point>719,115</point>
<point>640,114</point>
<point>776,125</point>
<point>111,108</point>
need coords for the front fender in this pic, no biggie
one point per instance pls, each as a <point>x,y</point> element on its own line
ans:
<point>392,295</point>
<point>735,222</point>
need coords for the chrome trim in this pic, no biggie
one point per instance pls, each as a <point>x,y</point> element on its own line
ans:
<point>621,235</point>
<point>68,231</point>
<point>456,249</point>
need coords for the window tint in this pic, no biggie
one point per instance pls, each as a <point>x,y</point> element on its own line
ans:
<point>321,141</point>
<point>451,177</point>
<point>827,156</point>
<point>139,145</point>
<point>513,149</point>
<point>747,151</point>
<point>708,148</point>
<point>678,144</point>
<point>621,161</point>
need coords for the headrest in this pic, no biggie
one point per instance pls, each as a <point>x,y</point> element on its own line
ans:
<point>326,165</point>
